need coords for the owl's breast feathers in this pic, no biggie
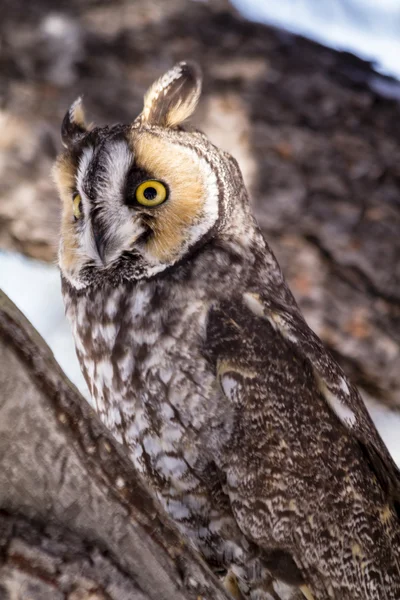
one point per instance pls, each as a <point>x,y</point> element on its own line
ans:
<point>308,472</point>
<point>244,425</point>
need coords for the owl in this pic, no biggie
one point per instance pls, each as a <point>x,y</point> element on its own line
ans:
<point>199,361</point>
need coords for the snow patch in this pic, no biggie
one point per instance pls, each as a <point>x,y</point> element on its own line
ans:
<point>367,28</point>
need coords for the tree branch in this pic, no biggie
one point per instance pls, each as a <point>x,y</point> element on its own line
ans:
<point>76,520</point>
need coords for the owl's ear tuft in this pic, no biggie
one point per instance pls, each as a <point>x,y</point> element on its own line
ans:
<point>173,97</point>
<point>73,126</point>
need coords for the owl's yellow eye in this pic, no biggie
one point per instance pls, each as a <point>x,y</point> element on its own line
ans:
<point>151,193</point>
<point>77,206</point>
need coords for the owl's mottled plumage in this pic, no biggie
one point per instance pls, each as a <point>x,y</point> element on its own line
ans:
<point>199,361</point>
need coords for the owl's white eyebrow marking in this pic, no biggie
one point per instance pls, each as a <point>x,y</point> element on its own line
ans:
<point>110,187</point>
<point>118,160</point>
<point>114,161</point>
<point>84,163</point>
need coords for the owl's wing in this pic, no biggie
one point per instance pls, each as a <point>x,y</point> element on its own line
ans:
<point>342,397</point>
<point>282,382</point>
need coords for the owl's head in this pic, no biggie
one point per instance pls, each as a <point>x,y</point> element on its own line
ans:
<point>139,198</point>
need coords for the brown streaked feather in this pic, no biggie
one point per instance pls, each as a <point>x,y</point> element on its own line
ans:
<point>315,497</point>
<point>332,382</point>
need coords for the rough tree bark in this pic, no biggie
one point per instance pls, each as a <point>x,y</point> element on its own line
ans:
<point>76,520</point>
<point>316,137</point>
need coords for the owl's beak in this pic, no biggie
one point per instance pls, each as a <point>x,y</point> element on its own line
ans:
<point>100,246</point>
<point>100,241</point>
<point>105,247</point>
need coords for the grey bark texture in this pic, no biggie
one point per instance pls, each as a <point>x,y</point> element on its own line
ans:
<point>76,520</point>
<point>315,131</point>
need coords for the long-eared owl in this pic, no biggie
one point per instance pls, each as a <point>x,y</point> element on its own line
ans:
<point>200,362</point>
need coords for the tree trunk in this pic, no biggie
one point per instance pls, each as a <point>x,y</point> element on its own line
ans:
<point>316,139</point>
<point>76,520</point>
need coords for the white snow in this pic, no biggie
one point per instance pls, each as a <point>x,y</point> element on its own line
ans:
<point>35,287</point>
<point>367,28</point>
<point>388,424</point>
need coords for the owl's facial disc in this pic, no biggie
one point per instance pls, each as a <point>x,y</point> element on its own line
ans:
<point>133,194</point>
<point>137,199</point>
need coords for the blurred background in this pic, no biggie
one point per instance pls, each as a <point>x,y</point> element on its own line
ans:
<point>314,124</point>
